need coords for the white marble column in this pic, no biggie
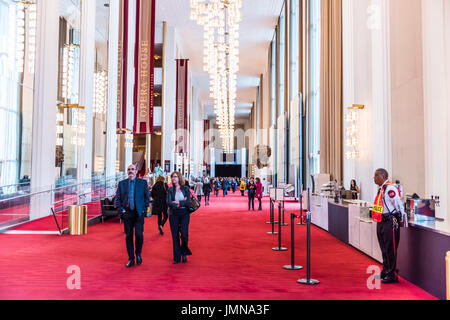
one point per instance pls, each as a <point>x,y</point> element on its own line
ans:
<point>128,159</point>
<point>113,57</point>
<point>44,109</point>
<point>169,98</point>
<point>87,84</point>
<point>213,161</point>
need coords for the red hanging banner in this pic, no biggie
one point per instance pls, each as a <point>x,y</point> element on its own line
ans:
<point>181,121</point>
<point>145,67</point>
<point>122,71</point>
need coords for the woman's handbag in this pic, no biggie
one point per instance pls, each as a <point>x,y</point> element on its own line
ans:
<point>194,205</point>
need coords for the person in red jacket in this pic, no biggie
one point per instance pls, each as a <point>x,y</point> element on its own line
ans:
<point>259,192</point>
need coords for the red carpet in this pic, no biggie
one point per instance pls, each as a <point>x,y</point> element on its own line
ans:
<point>233,259</point>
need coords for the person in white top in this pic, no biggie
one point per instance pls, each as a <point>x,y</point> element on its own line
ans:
<point>389,213</point>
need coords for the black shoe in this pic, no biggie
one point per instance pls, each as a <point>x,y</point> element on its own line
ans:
<point>184,259</point>
<point>388,280</point>
<point>130,264</point>
<point>161,232</point>
<point>139,260</point>
<point>176,262</point>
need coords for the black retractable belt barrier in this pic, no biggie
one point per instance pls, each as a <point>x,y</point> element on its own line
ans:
<point>292,266</point>
<point>283,223</point>
<point>308,280</point>
<point>272,218</point>
<point>271,212</point>
<point>279,248</point>
<point>301,223</point>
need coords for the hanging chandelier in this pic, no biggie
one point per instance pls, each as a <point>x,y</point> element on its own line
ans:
<point>26,34</point>
<point>220,20</point>
<point>101,92</point>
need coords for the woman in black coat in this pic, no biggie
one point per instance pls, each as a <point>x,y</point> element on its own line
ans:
<point>207,191</point>
<point>159,206</point>
<point>179,199</point>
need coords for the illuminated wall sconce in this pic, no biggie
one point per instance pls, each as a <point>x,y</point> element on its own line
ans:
<point>351,132</point>
<point>191,167</point>
<point>59,128</point>
<point>129,140</point>
<point>79,128</point>
<point>68,70</point>
<point>101,92</point>
<point>117,166</point>
<point>99,164</point>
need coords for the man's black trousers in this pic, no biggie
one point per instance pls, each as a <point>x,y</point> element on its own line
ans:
<point>388,238</point>
<point>134,224</point>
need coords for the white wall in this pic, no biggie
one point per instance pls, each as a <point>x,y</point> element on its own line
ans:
<point>397,63</point>
<point>366,81</point>
<point>408,158</point>
<point>436,82</point>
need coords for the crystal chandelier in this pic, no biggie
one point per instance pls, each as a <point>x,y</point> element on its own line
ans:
<point>101,92</point>
<point>220,20</point>
<point>26,34</point>
<point>68,70</point>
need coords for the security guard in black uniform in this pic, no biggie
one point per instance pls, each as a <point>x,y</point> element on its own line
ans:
<point>389,214</point>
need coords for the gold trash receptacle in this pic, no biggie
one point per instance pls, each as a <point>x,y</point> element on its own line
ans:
<point>78,220</point>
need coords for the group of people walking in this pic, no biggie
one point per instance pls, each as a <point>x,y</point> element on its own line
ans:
<point>203,188</point>
<point>225,184</point>
<point>253,187</point>
<point>171,203</point>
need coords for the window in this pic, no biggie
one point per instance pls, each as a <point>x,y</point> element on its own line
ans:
<point>101,87</point>
<point>273,81</point>
<point>258,115</point>
<point>69,120</point>
<point>281,62</point>
<point>314,92</point>
<point>295,49</point>
<point>17,58</point>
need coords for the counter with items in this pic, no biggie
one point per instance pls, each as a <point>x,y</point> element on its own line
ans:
<point>422,249</point>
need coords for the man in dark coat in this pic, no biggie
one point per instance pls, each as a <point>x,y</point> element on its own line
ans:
<point>133,200</point>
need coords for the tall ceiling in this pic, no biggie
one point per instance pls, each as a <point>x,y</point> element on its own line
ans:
<point>259,19</point>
